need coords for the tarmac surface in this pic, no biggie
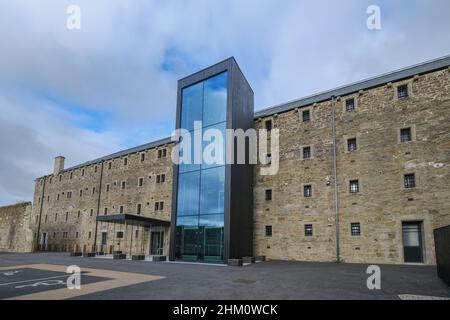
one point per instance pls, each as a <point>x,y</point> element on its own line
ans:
<point>43,276</point>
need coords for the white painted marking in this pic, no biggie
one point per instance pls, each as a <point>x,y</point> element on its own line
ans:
<point>9,283</point>
<point>42,283</point>
<point>11,273</point>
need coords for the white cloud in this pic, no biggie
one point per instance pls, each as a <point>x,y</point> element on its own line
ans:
<point>128,55</point>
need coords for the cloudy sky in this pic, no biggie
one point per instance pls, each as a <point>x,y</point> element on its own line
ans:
<point>112,84</point>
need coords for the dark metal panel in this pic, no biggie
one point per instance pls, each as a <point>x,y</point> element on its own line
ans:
<point>442,246</point>
<point>121,218</point>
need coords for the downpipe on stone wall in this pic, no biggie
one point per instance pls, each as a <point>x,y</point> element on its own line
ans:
<point>336,202</point>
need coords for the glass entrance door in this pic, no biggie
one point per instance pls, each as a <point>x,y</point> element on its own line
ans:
<point>412,242</point>
<point>157,243</point>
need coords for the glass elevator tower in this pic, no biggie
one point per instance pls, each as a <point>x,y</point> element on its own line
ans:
<point>212,203</point>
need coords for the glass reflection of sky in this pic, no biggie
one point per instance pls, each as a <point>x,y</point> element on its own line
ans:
<point>201,188</point>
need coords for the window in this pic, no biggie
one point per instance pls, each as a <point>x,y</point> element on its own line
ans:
<point>54,235</point>
<point>125,161</point>
<point>306,115</point>
<point>119,234</point>
<point>71,175</point>
<point>354,186</point>
<point>65,234</point>
<point>76,234</point>
<point>48,198</point>
<point>136,234</point>
<point>82,172</point>
<point>109,165</point>
<point>91,213</point>
<point>402,91</point>
<point>107,187</point>
<point>78,214</point>
<point>350,105</point>
<point>95,169</point>
<point>142,157</point>
<point>306,152</point>
<point>45,220</point>
<point>121,209</point>
<point>268,231</point>
<point>162,153</point>
<point>268,125</point>
<point>351,145</point>
<point>81,192</point>
<point>89,234</point>
<point>138,209</point>
<point>307,191</point>
<point>60,178</point>
<point>268,194</point>
<point>57,197</point>
<point>308,230</point>
<point>160,178</point>
<point>106,211</point>
<point>159,206</point>
<point>405,135</point>
<point>56,216</point>
<point>140,182</point>
<point>67,216</point>
<point>268,158</point>
<point>123,184</point>
<point>50,180</point>
<point>93,190</point>
<point>409,180</point>
<point>355,228</point>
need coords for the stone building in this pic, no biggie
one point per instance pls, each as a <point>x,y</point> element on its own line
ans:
<point>15,231</point>
<point>364,176</point>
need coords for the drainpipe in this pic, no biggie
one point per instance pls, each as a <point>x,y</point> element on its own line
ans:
<point>98,206</point>
<point>38,236</point>
<point>336,202</point>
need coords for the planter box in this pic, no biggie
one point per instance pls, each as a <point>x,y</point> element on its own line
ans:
<point>260,258</point>
<point>117,252</point>
<point>138,257</point>
<point>119,256</point>
<point>159,258</point>
<point>76,254</point>
<point>248,259</point>
<point>235,262</point>
<point>100,253</point>
<point>89,254</point>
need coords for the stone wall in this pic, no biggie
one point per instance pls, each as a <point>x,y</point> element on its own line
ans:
<point>71,200</point>
<point>15,232</point>
<point>379,163</point>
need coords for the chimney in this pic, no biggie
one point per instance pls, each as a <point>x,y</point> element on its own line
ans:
<point>59,164</point>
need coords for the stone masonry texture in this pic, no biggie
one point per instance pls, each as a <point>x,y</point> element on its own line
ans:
<point>65,205</point>
<point>15,231</point>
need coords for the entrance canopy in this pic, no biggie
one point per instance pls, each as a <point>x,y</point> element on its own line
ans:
<point>133,219</point>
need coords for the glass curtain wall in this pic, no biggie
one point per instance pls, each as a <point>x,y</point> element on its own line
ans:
<point>201,187</point>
